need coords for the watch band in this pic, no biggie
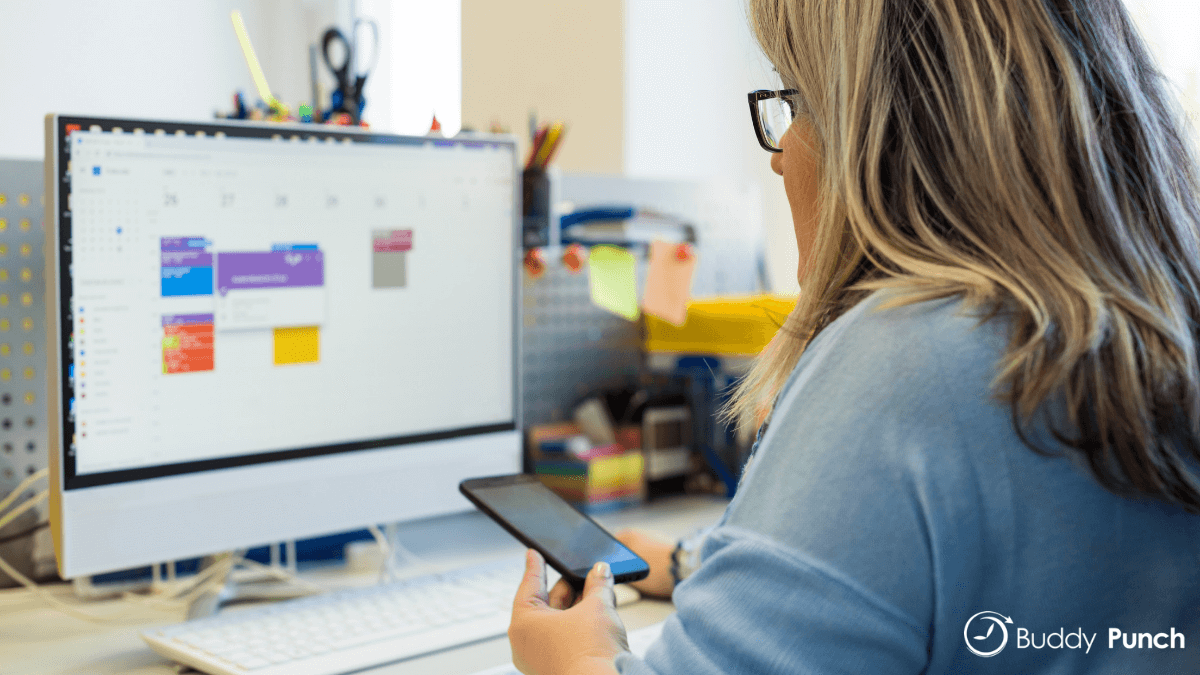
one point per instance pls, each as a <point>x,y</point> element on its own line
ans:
<point>675,578</point>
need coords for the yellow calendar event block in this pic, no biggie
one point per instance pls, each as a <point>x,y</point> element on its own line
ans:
<point>297,345</point>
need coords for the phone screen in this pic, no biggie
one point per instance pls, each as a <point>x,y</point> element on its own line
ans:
<point>544,517</point>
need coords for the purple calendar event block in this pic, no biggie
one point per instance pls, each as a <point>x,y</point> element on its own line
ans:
<point>184,244</point>
<point>186,319</point>
<point>186,259</point>
<point>187,266</point>
<point>269,269</point>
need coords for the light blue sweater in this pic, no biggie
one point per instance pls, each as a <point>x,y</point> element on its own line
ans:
<point>890,501</point>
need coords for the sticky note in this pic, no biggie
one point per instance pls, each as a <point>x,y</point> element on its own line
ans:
<point>297,345</point>
<point>612,281</point>
<point>668,282</point>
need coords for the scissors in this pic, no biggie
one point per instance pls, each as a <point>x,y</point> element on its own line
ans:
<point>348,97</point>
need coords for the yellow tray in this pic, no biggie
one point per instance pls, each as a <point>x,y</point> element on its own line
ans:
<point>734,325</point>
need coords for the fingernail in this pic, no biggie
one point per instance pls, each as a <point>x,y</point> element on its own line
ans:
<point>603,570</point>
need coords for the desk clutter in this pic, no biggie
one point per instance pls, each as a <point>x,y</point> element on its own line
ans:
<point>641,286</point>
<point>343,58</point>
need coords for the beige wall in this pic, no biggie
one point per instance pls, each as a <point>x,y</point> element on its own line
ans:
<point>563,58</point>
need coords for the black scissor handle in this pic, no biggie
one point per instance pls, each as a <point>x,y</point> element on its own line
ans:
<point>341,72</point>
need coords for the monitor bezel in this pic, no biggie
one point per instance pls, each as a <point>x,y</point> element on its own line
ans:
<point>59,230</point>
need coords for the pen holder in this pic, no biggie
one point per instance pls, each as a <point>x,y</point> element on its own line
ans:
<point>535,208</point>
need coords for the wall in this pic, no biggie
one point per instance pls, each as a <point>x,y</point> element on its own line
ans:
<point>419,71</point>
<point>686,112</point>
<point>177,59</point>
<point>650,89</point>
<point>170,59</point>
<point>563,59</point>
<point>1171,26</point>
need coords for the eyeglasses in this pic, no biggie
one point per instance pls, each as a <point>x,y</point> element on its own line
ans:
<point>772,113</point>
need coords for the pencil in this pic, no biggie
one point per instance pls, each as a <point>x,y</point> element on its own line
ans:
<point>554,148</point>
<point>256,71</point>
<point>543,152</point>
<point>536,146</point>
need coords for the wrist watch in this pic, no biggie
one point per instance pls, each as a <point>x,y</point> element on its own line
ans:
<point>685,558</point>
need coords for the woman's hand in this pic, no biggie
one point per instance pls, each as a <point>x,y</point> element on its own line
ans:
<point>551,634</point>
<point>657,554</point>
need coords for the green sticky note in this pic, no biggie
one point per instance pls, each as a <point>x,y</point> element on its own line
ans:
<point>612,280</point>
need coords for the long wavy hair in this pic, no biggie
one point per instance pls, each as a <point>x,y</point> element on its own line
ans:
<point>1026,156</point>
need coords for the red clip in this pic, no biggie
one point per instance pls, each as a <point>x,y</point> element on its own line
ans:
<point>574,257</point>
<point>535,263</point>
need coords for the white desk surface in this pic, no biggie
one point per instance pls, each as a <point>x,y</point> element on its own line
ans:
<point>34,638</point>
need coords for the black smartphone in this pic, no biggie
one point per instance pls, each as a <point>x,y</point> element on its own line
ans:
<point>570,541</point>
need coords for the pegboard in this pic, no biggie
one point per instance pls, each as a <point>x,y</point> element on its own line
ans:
<point>23,412</point>
<point>726,215</point>
<point>570,346</point>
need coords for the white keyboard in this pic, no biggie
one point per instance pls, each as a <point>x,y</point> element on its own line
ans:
<point>353,629</point>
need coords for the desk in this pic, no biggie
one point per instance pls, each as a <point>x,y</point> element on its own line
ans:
<point>37,639</point>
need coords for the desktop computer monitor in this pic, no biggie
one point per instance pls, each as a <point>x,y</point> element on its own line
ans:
<point>261,332</point>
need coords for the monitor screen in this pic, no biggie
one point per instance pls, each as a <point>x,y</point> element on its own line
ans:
<point>233,295</point>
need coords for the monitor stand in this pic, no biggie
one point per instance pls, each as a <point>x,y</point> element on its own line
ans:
<point>248,581</point>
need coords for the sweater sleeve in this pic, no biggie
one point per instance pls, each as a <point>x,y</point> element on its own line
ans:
<point>756,607</point>
<point>827,559</point>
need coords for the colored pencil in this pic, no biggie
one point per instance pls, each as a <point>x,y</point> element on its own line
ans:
<point>551,140</point>
<point>536,146</point>
<point>554,147</point>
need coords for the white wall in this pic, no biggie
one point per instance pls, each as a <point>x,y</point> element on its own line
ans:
<point>686,115</point>
<point>168,59</point>
<point>419,72</point>
<point>179,59</point>
<point>1171,27</point>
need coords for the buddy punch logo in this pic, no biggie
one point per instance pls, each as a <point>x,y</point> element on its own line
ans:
<point>986,635</point>
<point>982,638</point>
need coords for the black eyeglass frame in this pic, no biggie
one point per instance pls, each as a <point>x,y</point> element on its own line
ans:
<point>761,95</point>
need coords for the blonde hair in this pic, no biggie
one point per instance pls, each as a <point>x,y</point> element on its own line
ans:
<point>1024,155</point>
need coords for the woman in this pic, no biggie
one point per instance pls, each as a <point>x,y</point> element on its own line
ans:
<point>984,411</point>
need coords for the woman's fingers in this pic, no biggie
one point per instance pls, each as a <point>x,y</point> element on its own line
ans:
<point>562,596</point>
<point>600,583</point>
<point>657,553</point>
<point>532,591</point>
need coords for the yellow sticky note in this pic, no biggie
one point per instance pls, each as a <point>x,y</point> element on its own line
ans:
<point>297,345</point>
<point>668,282</point>
<point>612,280</point>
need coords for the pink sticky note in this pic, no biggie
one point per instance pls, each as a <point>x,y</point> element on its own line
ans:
<point>668,283</point>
